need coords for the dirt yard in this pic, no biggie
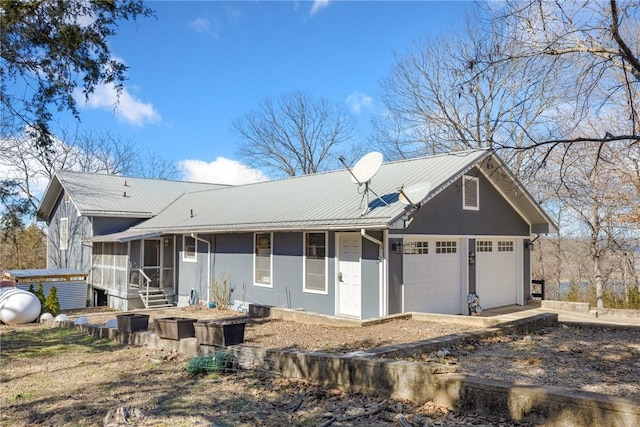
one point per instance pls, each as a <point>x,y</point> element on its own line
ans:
<point>60,378</point>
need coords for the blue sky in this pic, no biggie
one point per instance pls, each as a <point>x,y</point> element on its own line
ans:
<point>200,64</point>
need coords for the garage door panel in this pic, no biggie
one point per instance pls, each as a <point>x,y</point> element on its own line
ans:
<point>432,282</point>
<point>496,274</point>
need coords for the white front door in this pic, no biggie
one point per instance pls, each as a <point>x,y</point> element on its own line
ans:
<point>349,294</point>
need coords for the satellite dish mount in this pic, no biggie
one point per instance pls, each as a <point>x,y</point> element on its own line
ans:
<point>413,195</point>
<point>362,172</point>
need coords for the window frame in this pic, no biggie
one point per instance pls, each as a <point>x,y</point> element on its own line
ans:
<point>325,291</point>
<point>64,234</point>
<point>255,258</point>
<point>506,246</point>
<point>445,247</point>
<point>415,247</point>
<point>465,180</point>
<point>185,255</point>
<point>484,246</point>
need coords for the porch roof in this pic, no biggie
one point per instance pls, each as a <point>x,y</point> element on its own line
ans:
<point>123,236</point>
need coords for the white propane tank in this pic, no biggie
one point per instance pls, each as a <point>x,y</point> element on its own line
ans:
<point>18,306</point>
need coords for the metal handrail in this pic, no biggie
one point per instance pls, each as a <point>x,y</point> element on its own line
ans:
<point>148,280</point>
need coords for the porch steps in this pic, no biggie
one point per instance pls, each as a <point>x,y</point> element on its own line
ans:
<point>157,298</point>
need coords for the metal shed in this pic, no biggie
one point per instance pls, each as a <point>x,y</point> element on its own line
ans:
<point>71,285</point>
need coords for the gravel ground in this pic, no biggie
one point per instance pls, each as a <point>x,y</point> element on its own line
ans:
<point>50,378</point>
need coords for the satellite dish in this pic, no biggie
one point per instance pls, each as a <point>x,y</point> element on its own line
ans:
<point>366,167</point>
<point>415,193</point>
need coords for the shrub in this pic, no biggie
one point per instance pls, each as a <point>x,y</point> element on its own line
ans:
<point>52,305</point>
<point>220,292</point>
<point>40,294</point>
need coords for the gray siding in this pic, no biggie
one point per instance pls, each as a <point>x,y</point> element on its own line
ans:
<point>527,272</point>
<point>370,276</point>
<point>232,256</point>
<point>77,256</point>
<point>192,276</point>
<point>108,225</point>
<point>395,280</point>
<point>472,267</point>
<point>444,214</point>
<point>71,294</point>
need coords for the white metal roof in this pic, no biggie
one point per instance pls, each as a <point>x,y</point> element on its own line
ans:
<point>115,195</point>
<point>321,201</point>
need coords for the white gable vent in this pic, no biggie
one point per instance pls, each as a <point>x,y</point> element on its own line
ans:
<point>470,193</point>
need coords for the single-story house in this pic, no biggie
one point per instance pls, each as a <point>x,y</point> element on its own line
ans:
<point>418,235</point>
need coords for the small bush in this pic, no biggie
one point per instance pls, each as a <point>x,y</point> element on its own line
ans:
<point>40,294</point>
<point>52,305</point>
<point>220,292</point>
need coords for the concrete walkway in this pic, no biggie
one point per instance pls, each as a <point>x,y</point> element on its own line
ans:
<point>514,312</point>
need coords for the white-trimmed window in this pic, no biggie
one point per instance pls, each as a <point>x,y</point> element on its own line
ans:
<point>505,246</point>
<point>470,193</point>
<point>64,234</point>
<point>415,248</point>
<point>484,246</point>
<point>446,247</point>
<point>315,262</point>
<point>189,249</point>
<point>262,259</point>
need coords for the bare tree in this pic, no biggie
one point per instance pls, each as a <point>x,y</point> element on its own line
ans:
<point>594,46</point>
<point>294,134</point>
<point>29,169</point>
<point>594,192</point>
<point>437,101</point>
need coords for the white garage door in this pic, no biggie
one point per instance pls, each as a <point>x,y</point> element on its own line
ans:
<point>496,272</point>
<point>432,277</point>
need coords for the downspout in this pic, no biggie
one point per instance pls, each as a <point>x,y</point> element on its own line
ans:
<point>198,239</point>
<point>381,270</point>
<point>370,238</point>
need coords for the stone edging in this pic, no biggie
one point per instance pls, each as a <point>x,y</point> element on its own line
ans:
<point>377,371</point>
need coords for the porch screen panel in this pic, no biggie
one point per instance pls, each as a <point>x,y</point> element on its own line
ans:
<point>263,259</point>
<point>167,262</point>
<point>96,265</point>
<point>120,255</point>
<point>135,254</point>
<point>315,262</point>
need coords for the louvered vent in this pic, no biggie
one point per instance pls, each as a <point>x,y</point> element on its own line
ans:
<point>470,193</point>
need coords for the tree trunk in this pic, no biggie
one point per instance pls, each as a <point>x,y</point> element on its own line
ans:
<point>599,287</point>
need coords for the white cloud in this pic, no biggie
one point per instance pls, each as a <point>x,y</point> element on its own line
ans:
<point>220,171</point>
<point>126,107</point>
<point>358,101</point>
<point>200,25</point>
<point>213,26</point>
<point>317,5</point>
<point>205,26</point>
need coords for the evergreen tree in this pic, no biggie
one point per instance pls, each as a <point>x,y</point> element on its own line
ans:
<point>52,305</point>
<point>40,294</point>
